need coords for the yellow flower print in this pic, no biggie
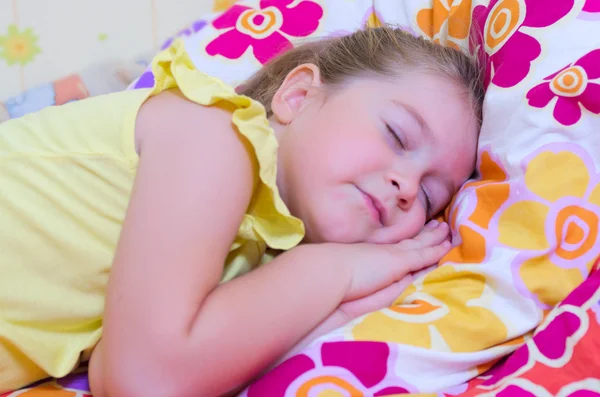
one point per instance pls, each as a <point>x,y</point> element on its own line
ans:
<point>559,242</point>
<point>222,5</point>
<point>448,22</point>
<point>19,46</point>
<point>373,21</point>
<point>439,314</point>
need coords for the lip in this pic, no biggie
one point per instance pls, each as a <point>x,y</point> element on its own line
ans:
<point>377,210</point>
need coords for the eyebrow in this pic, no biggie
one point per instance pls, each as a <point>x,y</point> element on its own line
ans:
<point>416,115</point>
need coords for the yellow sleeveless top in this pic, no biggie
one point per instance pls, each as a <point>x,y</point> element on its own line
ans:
<point>66,175</point>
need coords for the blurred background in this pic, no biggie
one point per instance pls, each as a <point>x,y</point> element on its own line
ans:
<point>46,40</point>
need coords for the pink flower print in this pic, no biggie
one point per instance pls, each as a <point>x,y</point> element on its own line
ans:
<point>574,88</point>
<point>582,295</point>
<point>515,391</point>
<point>528,388</point>
<point>596,310</point>
<point>554,341</point>
<point>276,382</point>
<point>516,364</point>
<point>590,11</point>
<point>263,29</point>
<point>592,6</point>
<point>507,52</point>
<point>340,368</point>
<point>369,369</point>
<point>585,391</point>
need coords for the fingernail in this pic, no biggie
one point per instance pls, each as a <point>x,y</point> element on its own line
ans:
<point>433,223</point>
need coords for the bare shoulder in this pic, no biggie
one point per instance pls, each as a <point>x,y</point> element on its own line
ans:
<point>178,127</point>
<point>171,115</point>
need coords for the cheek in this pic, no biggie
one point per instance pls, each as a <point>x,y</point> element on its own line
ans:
<point>412,224</point>
<point>461,165</point>
<point>363,151</point>
<point>343,224</point>
<point>417,224</point>
<point>407,227</point>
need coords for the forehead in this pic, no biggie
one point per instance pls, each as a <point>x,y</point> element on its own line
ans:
<point>426,90</point>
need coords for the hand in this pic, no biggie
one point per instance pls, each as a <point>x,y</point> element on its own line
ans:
<point>379,300</point>
<point>388,295</point>
<point>378,267</point>
<point>426,236</point>
<point>433,237</point>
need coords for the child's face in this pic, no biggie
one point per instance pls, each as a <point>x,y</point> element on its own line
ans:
<point>345,174</point>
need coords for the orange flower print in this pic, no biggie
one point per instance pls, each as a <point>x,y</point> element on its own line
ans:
<point>222,5</point>
<point>553,223</point>
<point>576,88</point>
<point>488,194</point>
<point>447,22</point>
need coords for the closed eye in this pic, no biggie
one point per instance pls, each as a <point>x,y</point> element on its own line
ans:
<point>395,136</point>
<point>428,206</point>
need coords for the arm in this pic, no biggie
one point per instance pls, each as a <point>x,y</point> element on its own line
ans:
<point>169,330</point>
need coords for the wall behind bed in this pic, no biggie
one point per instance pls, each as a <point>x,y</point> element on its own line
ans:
<point>42,40</point>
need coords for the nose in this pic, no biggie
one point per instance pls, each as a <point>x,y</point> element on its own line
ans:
<point>406,188</point>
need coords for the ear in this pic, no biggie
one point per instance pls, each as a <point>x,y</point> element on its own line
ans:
<point>294,91</point>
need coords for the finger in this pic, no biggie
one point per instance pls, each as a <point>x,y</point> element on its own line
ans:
<point>387,296</point>
<point>429,226</point>
<point>427,238</point>
<point>420,258</point>
<point>411,244</point>
<point>401,285</point>
<point>432,224</point>
<point>378,300</point>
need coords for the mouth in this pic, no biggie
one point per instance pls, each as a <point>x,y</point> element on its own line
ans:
<point>375,208</point>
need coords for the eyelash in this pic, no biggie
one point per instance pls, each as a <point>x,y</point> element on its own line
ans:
<point>428,204</point>
<point>395,136</point>
<point>399,141</point>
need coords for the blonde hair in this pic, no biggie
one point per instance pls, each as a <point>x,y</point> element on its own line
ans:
<point>382,51</point>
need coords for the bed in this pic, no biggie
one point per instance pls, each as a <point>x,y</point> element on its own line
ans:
<point>514,308</point>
